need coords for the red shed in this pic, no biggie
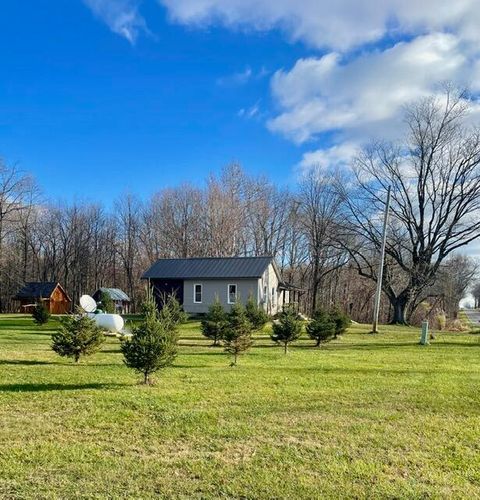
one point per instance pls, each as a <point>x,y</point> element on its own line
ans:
<point>52,294</point>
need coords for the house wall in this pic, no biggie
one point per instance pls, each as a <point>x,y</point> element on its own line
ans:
<point>272,301</point>
<point>211,288</point>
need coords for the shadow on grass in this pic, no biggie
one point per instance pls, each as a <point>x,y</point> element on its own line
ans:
<point>366,346</point>
<point>191,367</point>
<point>26,362</point>
<point>30,328</point>
<point>202,353</point>
<point>56,387</point>
<point>374,346</point>
<point>193,337</point>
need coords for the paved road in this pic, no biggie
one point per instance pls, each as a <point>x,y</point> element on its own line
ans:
<point>473,315</point>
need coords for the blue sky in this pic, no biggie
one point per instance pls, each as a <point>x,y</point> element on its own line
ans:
<point>79,102</point>
<point>98,97</point>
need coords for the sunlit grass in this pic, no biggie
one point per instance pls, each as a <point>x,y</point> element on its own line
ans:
<point>365,416</point>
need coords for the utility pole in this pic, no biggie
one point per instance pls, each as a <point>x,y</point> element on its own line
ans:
<point>380,266</point>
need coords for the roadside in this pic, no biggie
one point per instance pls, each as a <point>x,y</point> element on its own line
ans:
<point>473,315</point>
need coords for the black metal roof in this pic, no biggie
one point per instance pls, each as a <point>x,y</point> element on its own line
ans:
<point>209,268</point>
<point>37,290</point>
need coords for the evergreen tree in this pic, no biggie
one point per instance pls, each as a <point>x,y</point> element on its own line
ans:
<point>40,313</point>
<point>214,323</point>
<point>341,320</point>
<point>78,336</point>
<point>321,328</point>
<point>106,303</point>
<point>255,314</point>
<point>172,310</point>
<point>287,328</point>
<point>153,344</point>
<point>238,332</point>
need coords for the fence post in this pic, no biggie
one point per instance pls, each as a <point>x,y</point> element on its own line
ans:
<point>424,336</point>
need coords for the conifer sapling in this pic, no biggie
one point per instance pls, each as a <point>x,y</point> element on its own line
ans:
<point>321,328</point>
<point>106,303</point>
<point>153,344</point>
<point>255,314</point>
<point>341,320</point>
<point>214,323</point>
<point>78,336</point>
<point>287,328</point>
<point>238,332</point>
<point>172,310</point>
<point>40,313</point>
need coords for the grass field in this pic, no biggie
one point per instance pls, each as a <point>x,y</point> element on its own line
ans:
<point>366,417</point>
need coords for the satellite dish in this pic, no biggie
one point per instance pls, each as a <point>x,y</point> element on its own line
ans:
<point>88,304</point>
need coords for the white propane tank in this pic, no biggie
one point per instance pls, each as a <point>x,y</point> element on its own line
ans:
<point>110,322</point>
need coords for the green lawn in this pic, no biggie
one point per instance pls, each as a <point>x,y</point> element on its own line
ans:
<point>367,416</point>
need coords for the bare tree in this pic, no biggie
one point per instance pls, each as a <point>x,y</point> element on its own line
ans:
<point>127,210</point>
<point>16,190</point>
<point>476,295</point>
<point>435,179</point>
<point>455,277</point>
<point>319,212</point>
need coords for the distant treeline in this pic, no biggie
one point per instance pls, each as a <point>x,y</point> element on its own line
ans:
<point>324,231</point>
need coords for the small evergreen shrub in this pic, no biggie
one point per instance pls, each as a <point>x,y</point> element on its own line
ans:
<point>287,328</point>
<point>214,322</point>
<point>106,303</point>
<point>40,314</point>
<point>153,344</point>
<point>255,314</point>
<point>172,310</point>
<point>322,328</point>
<point>78,336</point>
<point>238,332</point>
<point>341,320</point>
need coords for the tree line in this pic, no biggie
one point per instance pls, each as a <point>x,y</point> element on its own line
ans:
<point>324,231</point>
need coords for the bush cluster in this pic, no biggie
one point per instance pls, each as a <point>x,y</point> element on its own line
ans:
<point>233,329</point>
<point>153,343</point>
<point>327,325</point>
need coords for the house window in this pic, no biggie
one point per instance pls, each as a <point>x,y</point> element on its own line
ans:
<point>232,294</point>
<point>265,293</point>
<point>273,296</point>
<point>197,294</point>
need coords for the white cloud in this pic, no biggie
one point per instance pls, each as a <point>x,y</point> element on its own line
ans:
<point>338,156</point>
<point>239,78</point>
<point>364,96</point>
<point>340,25</point>
<point>360,95</point>
<point>250,112</point>
<point>352,95</point>
<point>121,16</point>
<point>243,77</point>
